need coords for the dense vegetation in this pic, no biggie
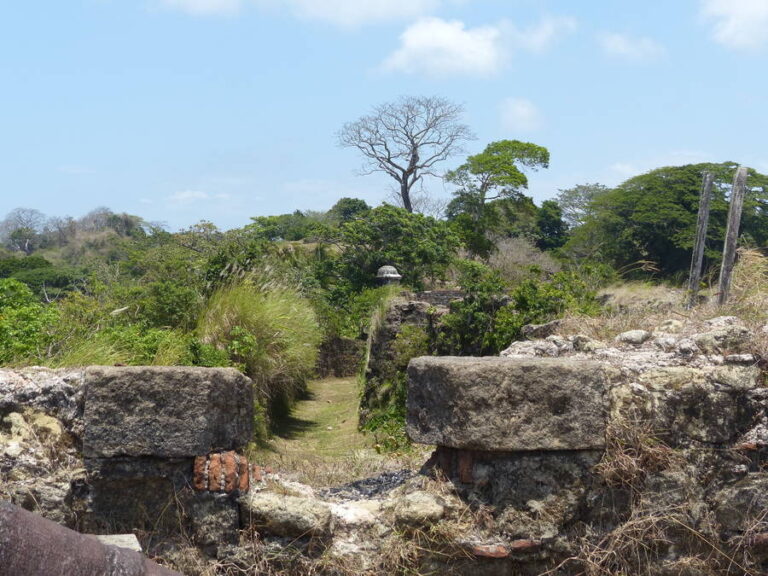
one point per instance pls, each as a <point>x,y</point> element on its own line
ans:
<point>113,289</point>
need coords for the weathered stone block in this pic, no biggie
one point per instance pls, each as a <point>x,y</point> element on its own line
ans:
<point>283,515</point>
<point>507,404</point>
<point>165,411</point>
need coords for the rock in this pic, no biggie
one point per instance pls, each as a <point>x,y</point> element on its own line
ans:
<point>282,515</point>
<point>507,404</point>
<point>739,506</point>
<point>166,411</point>
<point>687,348</point>
<point>741,359</point>
<point>734,339</point>
<point>128,541</point>
<point>725,322</point>
<point>666,343</point>
<point>736,377</point>
<point>418,509</point>
<point>56,393</point>
<point>583,343</point>
<point>633,337</point>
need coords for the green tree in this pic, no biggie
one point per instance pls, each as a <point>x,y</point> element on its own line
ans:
<point>346,209</point>
<point>420,247</point>
<point>575,202</point>
<point>652,217</point>
<point>496,174</point>
<point>552,231</point>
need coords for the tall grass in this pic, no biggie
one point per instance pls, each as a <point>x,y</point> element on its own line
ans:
<point>270,332</point>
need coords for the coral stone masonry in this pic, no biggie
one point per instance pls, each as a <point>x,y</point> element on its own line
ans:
<point>166,412</point>
<point>501,404</point>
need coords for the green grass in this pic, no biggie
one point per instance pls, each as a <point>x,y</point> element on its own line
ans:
<point>319,442</point>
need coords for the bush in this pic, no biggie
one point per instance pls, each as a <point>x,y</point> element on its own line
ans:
<point>25,323</point>
<point>272,334</point>
<point>470,327</point>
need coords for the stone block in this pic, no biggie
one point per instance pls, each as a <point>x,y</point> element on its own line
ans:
<point>507,404</point>
<point>165,411</point>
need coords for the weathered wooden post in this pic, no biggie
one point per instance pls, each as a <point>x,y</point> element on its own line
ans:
<point>701,236</point>
<point>732,233</point>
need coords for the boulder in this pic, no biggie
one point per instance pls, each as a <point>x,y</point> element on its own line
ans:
<point>507,404</point>
<point>418,509</point>
<point>633,337</point>
<point>283,515</point>
<point>165,411</point>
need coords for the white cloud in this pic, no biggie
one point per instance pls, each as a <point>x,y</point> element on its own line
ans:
<point>540,36</point>
<point>520,115</point>
<point>204,7</point>
<point>353,13</point>
<point>635,49</point>
<point>439,47</point>
<point>739,24</point>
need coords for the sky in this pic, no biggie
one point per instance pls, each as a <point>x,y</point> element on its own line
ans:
<point>221,110</point>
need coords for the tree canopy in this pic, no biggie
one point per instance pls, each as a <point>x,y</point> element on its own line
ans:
<point>652,217</point>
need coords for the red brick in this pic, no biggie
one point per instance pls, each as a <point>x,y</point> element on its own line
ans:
<point>199,480</point>
<point>230,471</point>
<point>466,463</point>
<point>490,551</point>
<point>268,470</point>
<point>242,474</point>
<point>524,545</point>
<point>256,471</point>
<point>214,473</point>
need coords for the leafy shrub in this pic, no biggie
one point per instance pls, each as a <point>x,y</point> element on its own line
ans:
<point>489,318</point>
<point>272,334</point>
<point>25,323</point>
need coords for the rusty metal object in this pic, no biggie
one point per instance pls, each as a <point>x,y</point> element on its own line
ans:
<point>30,545</point>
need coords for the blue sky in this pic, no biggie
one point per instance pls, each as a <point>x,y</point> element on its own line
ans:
<point>182,110</point>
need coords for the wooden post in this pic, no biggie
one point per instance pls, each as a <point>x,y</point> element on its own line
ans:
<point>732,233</point>
<point>697,259</point>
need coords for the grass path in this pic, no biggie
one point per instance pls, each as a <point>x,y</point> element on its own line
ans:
<point>319,443</point>
<point>325,422</point>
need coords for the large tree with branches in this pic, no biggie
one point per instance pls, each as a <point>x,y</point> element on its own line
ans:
<point>407,138</point>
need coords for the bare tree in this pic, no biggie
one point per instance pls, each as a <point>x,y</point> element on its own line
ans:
<point>21,228</point>
<point>407,138</point>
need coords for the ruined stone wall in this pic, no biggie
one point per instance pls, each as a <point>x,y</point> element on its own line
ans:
<point>124,449</point>
<point>645,455</point>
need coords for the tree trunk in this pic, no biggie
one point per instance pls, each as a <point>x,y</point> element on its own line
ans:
<point>405,194</point>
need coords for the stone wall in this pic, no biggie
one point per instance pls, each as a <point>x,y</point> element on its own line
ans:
<point>642,455</point>
<point>125,449</point>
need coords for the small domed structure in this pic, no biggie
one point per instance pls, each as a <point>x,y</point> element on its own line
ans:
<point>387,275</point>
